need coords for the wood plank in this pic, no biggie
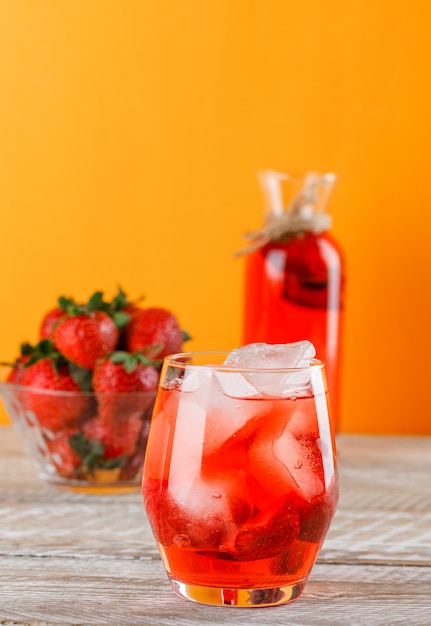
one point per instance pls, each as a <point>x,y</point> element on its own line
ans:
<point>79,559</point>
<point>379,507</point>
<point>122,591</point>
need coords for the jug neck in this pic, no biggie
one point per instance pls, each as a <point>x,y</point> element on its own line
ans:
<point>301,199</point>
<point>294,203</point>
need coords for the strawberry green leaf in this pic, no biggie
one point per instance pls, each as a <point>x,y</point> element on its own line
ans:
<point>70,307</point>
<point>26,348</point>
<point>95,302</point>
<point>64,303</point>
<point>130,359</point>
<point>113,463</point>
<point>17,362</point>
<point>186,336</point>
<point>154,348</point>
<point>92,453</point>
<point>45,346</point>
<point>120,318</point>
<point>43,350</point>
<point>127,359</point>
<point>120,300</point>
<point>145,360</point>
<point>86,448</point>
<point>130,363</point>
<point>81,376</point>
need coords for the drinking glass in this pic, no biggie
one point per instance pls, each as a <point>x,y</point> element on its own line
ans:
<point>240,480</point>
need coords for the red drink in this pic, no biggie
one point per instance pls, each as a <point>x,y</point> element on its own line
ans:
<point>239,488</point>
<point>294,291</point>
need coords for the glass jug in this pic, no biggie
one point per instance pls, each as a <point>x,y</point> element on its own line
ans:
<point>295,271</point>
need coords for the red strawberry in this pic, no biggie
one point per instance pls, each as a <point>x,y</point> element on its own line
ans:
<point>111,376</point>
<point>155,327</point>
<point>135,462</point>
<point>63,457</point>
<point>119,381</point>
<point>118,437</point>
<point>124,372</point>
<point>148,377</point>
<point>49,322</point>
<point>53,410</point>
<point>86,337</point>
<point>17,372</point>
<point>132,310</point>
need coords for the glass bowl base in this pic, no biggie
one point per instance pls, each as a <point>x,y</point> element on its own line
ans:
<point>92,487</point>
<point>219,596</point>
<point>100,490</point>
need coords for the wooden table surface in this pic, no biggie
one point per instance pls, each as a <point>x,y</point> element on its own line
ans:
<point>77,559</point>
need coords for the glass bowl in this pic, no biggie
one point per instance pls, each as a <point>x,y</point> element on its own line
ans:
<point>83,441</point>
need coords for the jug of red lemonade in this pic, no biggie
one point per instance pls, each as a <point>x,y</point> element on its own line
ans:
<point>295,272</point>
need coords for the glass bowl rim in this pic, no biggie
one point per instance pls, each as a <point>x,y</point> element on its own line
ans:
<point>7,387</point>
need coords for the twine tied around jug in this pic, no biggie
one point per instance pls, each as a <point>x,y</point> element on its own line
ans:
<point>303,213</point>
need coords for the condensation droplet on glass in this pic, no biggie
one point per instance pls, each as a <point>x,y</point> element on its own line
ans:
<point>298,464</point>
<point>182,541</point>
<point>216,494</point>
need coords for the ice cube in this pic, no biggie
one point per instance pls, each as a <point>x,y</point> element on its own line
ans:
<point>323,424</point>
<point>284,466</point>
<point>264,468</point>
<point>207,417</point>
<point>230,419</point>
<point>234,384</point>
<point>190,423</point>
<point>261,356</point>
<point>287,459</point>
<point>272,356</point>
<point>195,378</point>
<point>299,451</point>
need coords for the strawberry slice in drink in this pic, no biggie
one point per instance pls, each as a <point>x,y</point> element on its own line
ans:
<point>269,533</point>
<point>315,517</point>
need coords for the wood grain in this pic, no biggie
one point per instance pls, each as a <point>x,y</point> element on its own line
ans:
<point>86,560</point>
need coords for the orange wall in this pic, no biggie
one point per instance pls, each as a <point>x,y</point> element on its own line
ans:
<point>130,136</point>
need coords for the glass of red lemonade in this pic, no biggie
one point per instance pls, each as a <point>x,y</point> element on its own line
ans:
<point>240,480</point>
